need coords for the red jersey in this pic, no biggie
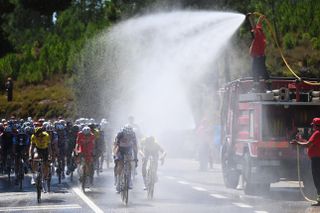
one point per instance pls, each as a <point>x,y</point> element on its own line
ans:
<point>314,149</point>
<point>259,42</point>
<point>86,145</point>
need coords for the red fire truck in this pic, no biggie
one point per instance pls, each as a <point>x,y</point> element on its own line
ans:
<point>257,127</point>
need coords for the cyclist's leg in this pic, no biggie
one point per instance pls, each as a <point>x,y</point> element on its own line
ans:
<point>119,170</point>
<point>156,160</point>
<point>144,169</point>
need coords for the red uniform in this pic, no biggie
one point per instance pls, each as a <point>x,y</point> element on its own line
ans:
<point>314,150</point>
<point>86,145</point>
<point>258,45</point>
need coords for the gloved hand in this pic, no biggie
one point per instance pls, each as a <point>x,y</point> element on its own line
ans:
<point>248,14</point>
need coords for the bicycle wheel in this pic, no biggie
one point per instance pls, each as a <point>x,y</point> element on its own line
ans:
<point>150,184</point>
<point>21,175</point>
<point>59,172</point>
<point>39,186</point>
<point>83,179</point>
<point>125,189</point>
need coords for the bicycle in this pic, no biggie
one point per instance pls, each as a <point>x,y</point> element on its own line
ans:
<point>39,177</point>
<point>151,176</point>
<point>20,170</point>
<point>84,172</point>
<point>125,177</point>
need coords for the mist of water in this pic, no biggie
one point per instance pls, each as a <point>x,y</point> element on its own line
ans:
<point>155,60</point>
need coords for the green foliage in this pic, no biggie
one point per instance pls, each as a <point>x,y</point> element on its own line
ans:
<point>315,43</point>
<point>289,41</point>
<point>42,47</point>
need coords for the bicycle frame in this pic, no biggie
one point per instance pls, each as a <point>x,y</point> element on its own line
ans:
<point>151,176</point>
<point>83,172</point>
<point>39,178</point>
<point>125,178</point>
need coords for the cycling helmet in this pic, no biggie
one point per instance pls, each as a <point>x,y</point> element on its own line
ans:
<point>63,122</point>
<point>45,124</point>
<point>58,126</point>
<point>50,128</point>
<point>86,130</point>
<point>127,129</point>
<point>28,129</point>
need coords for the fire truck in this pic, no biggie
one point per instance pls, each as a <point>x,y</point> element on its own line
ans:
<point>256,128</point>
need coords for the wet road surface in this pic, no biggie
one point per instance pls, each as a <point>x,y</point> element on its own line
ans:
<point>180,188</point>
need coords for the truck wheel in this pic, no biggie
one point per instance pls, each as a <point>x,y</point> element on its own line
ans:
<point>230,174</point>
<point>248,187</point>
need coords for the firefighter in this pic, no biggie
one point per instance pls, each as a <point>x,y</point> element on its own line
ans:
<point>313,145</point>
<point>257,52</point>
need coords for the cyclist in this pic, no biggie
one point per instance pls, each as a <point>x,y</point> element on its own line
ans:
<point>85,147</point>
<point>40,146</point>
<point>62,146</point>
<point>72,138</point>
<point>7,139</point>
<point>99,145</point>
<point>49,128</point>
<point>107,137</point>
<point>149,147</point>
<point>125,144</point>
<point>20,147</point>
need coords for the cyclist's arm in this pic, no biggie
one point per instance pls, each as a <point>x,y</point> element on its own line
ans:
<point>31,150</point>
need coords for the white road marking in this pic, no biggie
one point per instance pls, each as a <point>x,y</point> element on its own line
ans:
<point>260,211</point>
<point>183,182</point>
<point>39,208</point>
<point>87,200</point>
<point>218,196</point>
<point>199,189</point>
<point>242,205</point>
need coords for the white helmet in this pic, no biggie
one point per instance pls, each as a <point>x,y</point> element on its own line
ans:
<point>86,130</point>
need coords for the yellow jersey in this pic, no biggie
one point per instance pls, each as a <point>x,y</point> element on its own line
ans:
<point>42,141</point>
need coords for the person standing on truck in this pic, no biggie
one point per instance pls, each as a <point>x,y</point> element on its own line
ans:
<point>257,52</point>
<point>313,145</point>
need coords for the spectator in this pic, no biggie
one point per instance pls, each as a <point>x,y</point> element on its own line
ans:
<point>9,89</point>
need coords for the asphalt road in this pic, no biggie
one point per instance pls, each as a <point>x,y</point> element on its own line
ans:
<point>181,188</point>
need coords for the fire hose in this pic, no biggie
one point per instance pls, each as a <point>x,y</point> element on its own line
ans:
<point>274,38</point>
<point>299,176</point>
<point>273,35</point>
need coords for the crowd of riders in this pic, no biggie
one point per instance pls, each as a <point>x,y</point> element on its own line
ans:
<point>57,142</point>
<point>61,144</point>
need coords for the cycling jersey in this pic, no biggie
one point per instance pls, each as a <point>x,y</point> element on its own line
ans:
<point>42,141</point>
<point>21,140</point>
<point>150,148</point>
<point>86,145</point>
